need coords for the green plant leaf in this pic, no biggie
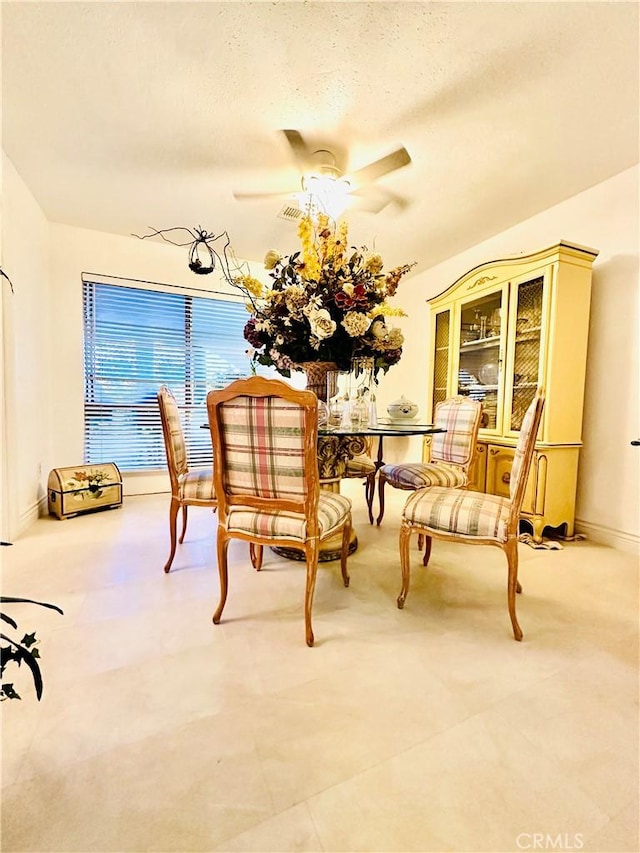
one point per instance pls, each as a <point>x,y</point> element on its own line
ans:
<point>8,692</point>
<point>7,599</point>
<point>8,619</point>
<point>21,654</point>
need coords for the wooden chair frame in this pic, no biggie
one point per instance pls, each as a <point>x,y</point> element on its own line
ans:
<point>510,546</point>
<point>177,469</point>
<point>257,386</point>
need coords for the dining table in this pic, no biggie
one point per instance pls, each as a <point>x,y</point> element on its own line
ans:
<point>336,446</point>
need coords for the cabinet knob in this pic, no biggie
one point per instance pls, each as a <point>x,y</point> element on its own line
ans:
<point>506,477</point>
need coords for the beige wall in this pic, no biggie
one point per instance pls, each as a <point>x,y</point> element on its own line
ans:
<point>26,351</point>
<point>48,338</point>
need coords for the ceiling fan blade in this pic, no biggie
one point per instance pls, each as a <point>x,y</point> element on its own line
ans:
<point>375,170</point>
<point>373,199</point>
<point>300,149</point>
<point>369,204</point>
<point>241,196</point>
<point>400,201</point>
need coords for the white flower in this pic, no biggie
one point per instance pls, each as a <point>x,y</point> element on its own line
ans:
<point>356,323</point>
<point>322,326</point>
<point>379,328</point>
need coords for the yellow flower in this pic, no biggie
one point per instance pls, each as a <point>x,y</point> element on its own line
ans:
<point>374,264</point>
<point>271,259</point>
<point>251,285</point>
<point>386,310</point>
<point>309,268</point>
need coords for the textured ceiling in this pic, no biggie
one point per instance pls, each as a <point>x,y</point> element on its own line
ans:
<point>121,115</point>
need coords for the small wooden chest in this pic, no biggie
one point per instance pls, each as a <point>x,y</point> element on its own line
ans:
<point>83,489</point>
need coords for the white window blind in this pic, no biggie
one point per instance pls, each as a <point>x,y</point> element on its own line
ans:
<point>136,339</point>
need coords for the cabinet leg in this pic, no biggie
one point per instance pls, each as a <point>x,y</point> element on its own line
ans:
<point>538,526</point>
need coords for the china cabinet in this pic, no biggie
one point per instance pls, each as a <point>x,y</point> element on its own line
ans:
<point>498,332</point>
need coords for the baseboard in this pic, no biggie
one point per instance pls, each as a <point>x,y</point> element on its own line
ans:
<point>620,539</point>
<point>33,513</point>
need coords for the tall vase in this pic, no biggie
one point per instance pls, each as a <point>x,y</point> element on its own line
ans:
<point>316,372</point>
<point>362,398</point>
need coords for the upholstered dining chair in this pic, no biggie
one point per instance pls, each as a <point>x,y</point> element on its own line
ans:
<point>265,435</point>
<point>188,487</point>
<point>473,517</point>
<point>452,452</point>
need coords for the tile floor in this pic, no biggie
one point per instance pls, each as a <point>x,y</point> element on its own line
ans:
<point>427,729</point>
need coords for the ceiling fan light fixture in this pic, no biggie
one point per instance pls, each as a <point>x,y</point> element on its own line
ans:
<point>325,192</point>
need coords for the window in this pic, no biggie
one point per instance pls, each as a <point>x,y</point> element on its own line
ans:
<point>136,339</point>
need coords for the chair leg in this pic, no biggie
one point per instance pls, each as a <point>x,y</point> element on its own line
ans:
<point>427,550</point>
<point>381,482</point>
<point>255,552</point>
<point>511,550</point>
<point>311,551</point>
<point>184,523</point>
<point>405,562</point>
<point>173,518</point>
<point>370,490</point>
<point>344,553</point>
<point>223,544</point>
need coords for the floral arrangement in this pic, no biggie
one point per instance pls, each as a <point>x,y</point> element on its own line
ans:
<point>326,302</point>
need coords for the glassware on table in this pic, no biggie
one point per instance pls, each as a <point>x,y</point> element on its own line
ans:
<point>359,411</point>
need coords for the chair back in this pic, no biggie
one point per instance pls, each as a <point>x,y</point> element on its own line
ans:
<point>460,417</point>
<point>174,443</point>
<point>264,435</point>
<point>524,452</point>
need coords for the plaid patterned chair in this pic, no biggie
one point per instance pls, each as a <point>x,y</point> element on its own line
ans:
<point>452,452</point>
<point>265,437</point>
<point>188,488</point>
<point>473,517</point>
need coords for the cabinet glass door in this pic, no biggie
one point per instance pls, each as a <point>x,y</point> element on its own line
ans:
<point>479,354</point>
<point>526,362</point>
<point>441,357</point>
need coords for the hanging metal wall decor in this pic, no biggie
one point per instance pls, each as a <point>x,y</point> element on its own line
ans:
<point>206,250</point>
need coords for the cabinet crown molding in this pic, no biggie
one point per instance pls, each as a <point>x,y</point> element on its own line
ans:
<point>564,250</point>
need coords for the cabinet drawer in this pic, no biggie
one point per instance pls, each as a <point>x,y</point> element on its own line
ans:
<point>499,462</point>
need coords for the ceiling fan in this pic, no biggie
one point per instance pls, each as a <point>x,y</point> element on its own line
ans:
<point>326,184</point>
